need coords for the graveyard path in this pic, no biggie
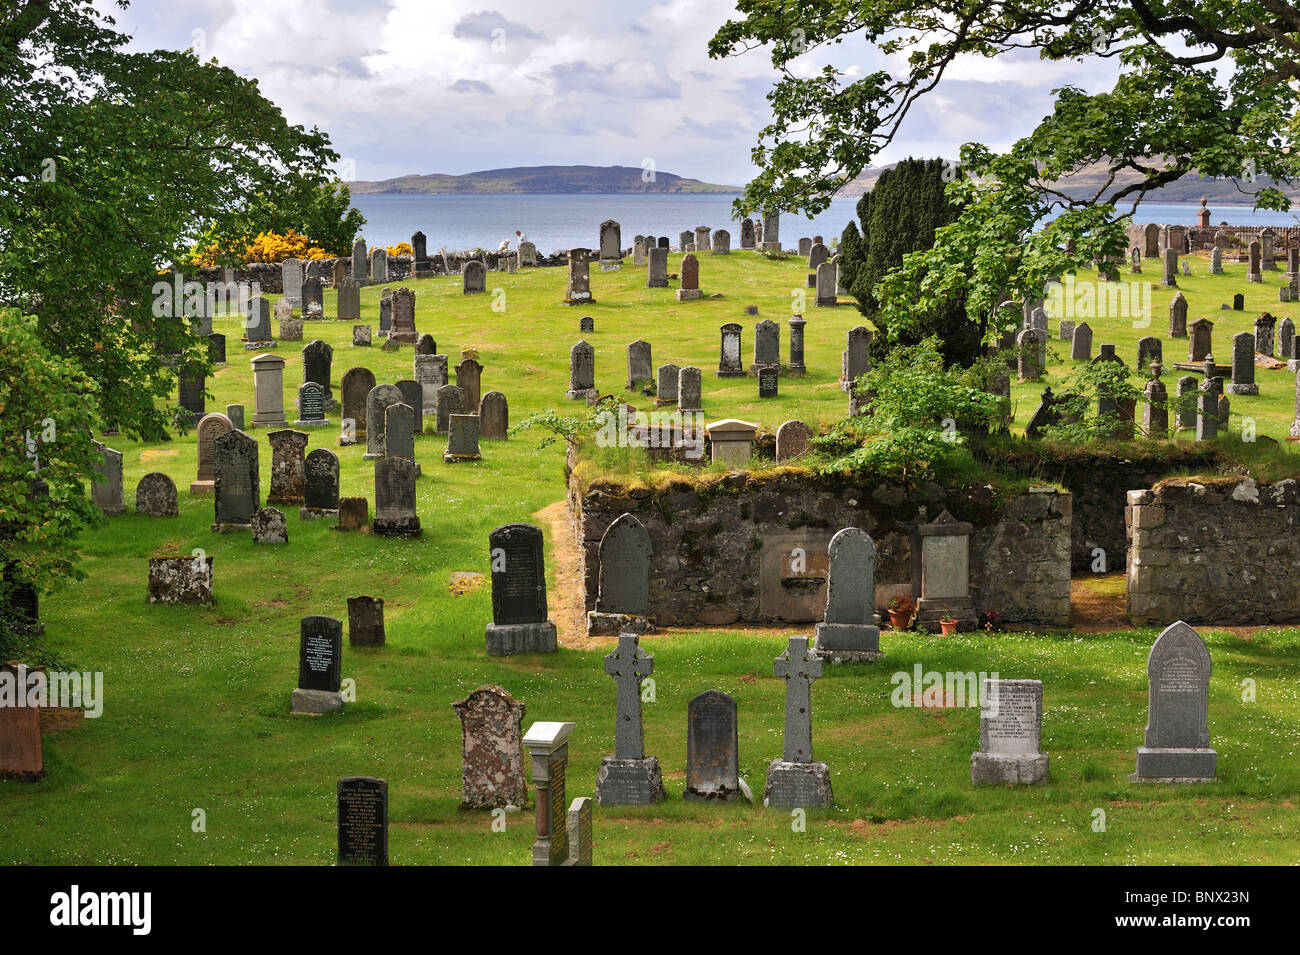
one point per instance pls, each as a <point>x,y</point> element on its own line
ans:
<point>1099,603</point>
<point>565,598</point>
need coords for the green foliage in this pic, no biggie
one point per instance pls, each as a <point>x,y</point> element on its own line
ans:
<point>900,216</point>
<point>1089,408</point>
<point>917,411</point>
<point>47,406</point>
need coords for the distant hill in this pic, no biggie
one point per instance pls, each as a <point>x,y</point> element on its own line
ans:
<point>1086,182</point>
<point>546,180</point>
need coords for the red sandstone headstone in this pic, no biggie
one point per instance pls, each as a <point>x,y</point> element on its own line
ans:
<point>21,756</point>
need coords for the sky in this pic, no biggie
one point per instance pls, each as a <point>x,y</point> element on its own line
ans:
<point>424,86</point>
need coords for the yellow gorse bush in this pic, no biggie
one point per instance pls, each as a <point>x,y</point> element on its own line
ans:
<point>266,247</point>
<point>402,248</point>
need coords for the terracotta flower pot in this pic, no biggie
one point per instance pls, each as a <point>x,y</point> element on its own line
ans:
<point>948,626</point>
<point>899,619</point>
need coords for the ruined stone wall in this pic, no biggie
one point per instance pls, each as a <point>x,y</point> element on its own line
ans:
<point>723,550</point>
<point>1223,552</point>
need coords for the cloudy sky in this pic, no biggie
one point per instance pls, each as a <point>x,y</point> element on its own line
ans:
<point>422,86</point>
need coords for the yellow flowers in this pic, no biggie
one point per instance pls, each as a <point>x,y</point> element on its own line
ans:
<point>402,248</point>
<point>266,247</point>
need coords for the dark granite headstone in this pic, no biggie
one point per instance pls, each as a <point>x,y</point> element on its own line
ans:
<point>712,747</point>
<point>519,622</point>
<point>320,653</point>
<point>363,821</point>
<point>235,478</point>
<point>365,621</point>
<point>321,484</point>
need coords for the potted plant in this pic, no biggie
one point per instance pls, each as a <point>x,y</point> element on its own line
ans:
<point>948,625</point>
<point>900,612</point>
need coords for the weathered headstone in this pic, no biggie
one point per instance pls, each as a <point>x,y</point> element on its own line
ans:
<point>155,496</point>
<point>559,841</point>
<point>413,396</point>
<point>377,402</point>
<point>690,278</point>
<point>1200,340</point>
<point>767,344</point>
<point>1286,339</point>
<point>269,526</point>
<point>106,488</point>
<point>1155,410</point>
<point>721,242</point>
<point>795,781</point>
<point>431,372</point>
<point>849,631</point>
<point>494,417</point>
<point>689,396</point>
<point>1264,326</point>
<point>747,233</point>
<point>1176,747</point>
<point>579,288</point>
<point>732,441</point>
<point>945,573</point>
<point>448,400</point>
<point>469,378</point>
<point>519,612</point>
<point>395,498</point>
<point>354,514</point>
<point>22,757</point>
<point>317,363</point>
<point>181,580</point>
<point>268,392</point>
<point>729,361</point>
<point>1216,261</point>
<point>1081,344</point>
<point>209,428</point>
<point>855,361</point>
<point>349,301</point>
<point>610,243</point>
<point>666,384</point>
<point>320,485</point>
<point>582,371</point>
<point>712,748</point>
<point>1178,317</point>
<point>191,387</point>
<point>1011,732</point>
<point>629,777</point>
<point>623,587</point>
<point>426,345</point>
<point>1030,343</point>
<point>473,277</point>
<point>1150,349</point>
<point>257,325</point>
<point>1185,413</point>
<point>355,388</point>
<point>462,439</point>
<point>657,275</point>
<point>236,484</point>
<point>399,431</point>
<point>1254,274</point>
<point>366,621</point>
<point>792,440</point>
<point>492,755</point>
<point>1243,365</point>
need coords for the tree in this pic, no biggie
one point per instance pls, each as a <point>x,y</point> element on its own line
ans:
<point>1206,86</point>
<point>899,216</point>
<point>113,163</point>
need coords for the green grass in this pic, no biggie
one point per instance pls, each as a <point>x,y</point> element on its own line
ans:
<point>196,710</point>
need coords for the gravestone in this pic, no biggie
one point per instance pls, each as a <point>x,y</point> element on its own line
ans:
<point>747,233</point>
<point>1135,260</point>
<point>399,431</point>
<point>629,777</point>
<point>385,313</point>
<point>1286,339</point>
<point>473,277</point>
<point>732,441</point>
<point>1243,365</point>
<point>1264,326</point>
<point>796,365</point>
<point>362,821</point>
<point>431,372</point>
<point>209,428</point>
<point>1207,415</point>
<point>365,621</point>
<point>827,282</point>
<point>1185,413</point>
<point>582,371</point>
<point>795,781</point>
<point>1238,302</point>
<point>686,241</point>
<point>729,361</point>
<point>657,273</point>
<point>1011,733</point>
<point>849,631</point>
<point>395,498</point>
<point>945,573</point>
<point>721,242</point>
<point>340,273</point>
<point>527,253</point>
<point>377,402</point>
<point>257,325</point>
<point>1066,330</point>
<point>690,279</point>
<point>290,329</point>
<point>320,485</point>
<point>1216,261</point>
<point>519,613</point>
<point>106,486</point>
<point>804,246</point>
<point>638,250</point>
<point>217,349</point>
<point>378,266</point>
<point>426,345</point>
<point>1030,343</point>
<point>1267,238</point>
<point>1254,274</point>
<point>268,392</point>
<point>1292,273</point>
<point>579,287</point>
<point>269,526</point>
<point>1170,277</point>
<point>1176,747</point>
<point>792,440</point>
<point>448,400</point>
<point>420,255</point>
<point>155,496</point>
<point>702,238</point>
<point>462,439</point>
<point>311,406</point>
<point>548,747</point>
<point>1201,333</point>
<point>623,583</point>
<point>288,476</point>
<point>639,364</point>
<point>349,301</point>
<point>313,298</point>
<point>22,757</point>
<point>1178,317</point>
<point>317,363</point>
<point>1155,410</point>
<point>355,388</point>
<point>320,665</point>
<point>360,263</point>
<point>236,484</point>
<point>586,324</point>
<point>712,748</point>
<point>469,378</point>
<point>354,514</point>
<point>767,344</point>
<point>1150,349</point>
<point>291,276</point>
<point>413,397</point>
<point>1081,345</point>
<point>611,243</point>
<point>403,330</point>
<point>492,755</point>
<point>494,417</point>
<point>190,394</point>
<point>772,231</point>
<point>855,360</point>
<point>689,397</point>
<point>181,580</point>
<point>666,384</point>
<point>767,381</point>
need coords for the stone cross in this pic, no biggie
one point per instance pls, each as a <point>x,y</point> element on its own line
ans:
<point>798,670</point>
<point>628,665</point>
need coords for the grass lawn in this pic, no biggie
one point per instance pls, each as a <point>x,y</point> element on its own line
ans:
<point>196,709</point>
